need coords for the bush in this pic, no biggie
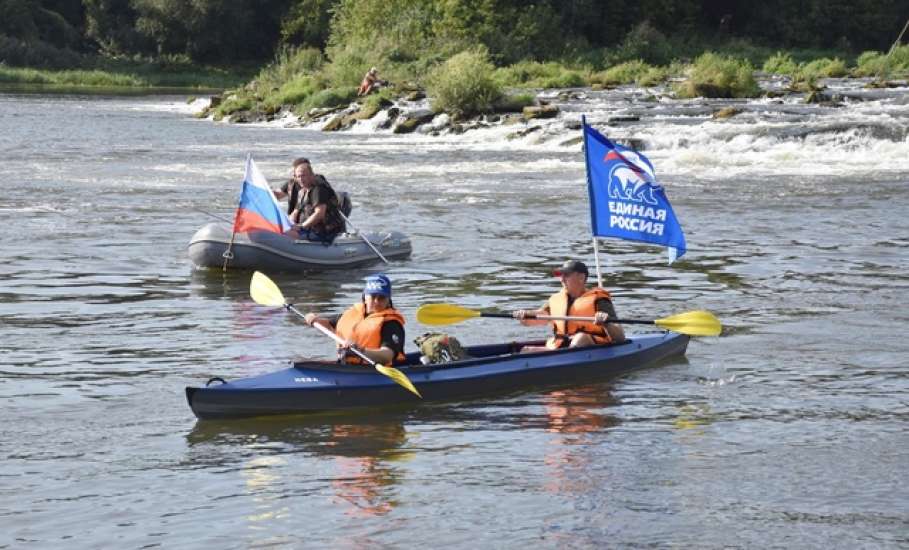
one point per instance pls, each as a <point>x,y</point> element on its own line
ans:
<point>234,103</point>
<point>292,92</point>
<point>533,74</point>
<point>780,63</point>
<point>515,103</point>
<point>653,76</point>
<point>330,97</point>
<point>623,73</point>
<point>881,65</point>
<point>643,42</point>
<point>464,84</point>
<point>822,68</point>
<point>714,75</point>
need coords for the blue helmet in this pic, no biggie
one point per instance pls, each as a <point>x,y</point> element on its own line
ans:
<point>377,285</point>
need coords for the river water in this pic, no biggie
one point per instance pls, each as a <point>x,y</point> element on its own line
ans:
<point>789,430</point>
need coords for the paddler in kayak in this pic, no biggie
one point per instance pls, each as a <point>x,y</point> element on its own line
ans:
<point>575,300</point>
<point>374,326</point>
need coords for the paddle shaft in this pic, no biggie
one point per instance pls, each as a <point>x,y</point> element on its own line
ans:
<point>331,334</point>
<point>568,318</point>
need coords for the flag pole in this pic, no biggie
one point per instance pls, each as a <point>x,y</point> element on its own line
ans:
<point>228,254</point>
<point>596,248</point>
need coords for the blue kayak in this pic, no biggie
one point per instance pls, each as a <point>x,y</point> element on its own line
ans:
<point>322,386</point>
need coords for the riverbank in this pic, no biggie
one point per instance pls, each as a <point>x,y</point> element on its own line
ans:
<point>468,87</point>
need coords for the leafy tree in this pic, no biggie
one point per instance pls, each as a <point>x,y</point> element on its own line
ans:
<point>308,23</point>
<point>111,24</point>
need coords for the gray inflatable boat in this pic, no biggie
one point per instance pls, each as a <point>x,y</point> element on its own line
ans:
<point>273,251</point>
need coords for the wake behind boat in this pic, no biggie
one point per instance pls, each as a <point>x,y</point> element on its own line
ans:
<point>268,250</point>
<point>323,386</point>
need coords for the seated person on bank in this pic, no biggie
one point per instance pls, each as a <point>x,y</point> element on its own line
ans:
<point>374,327</point>
<point>575,300</point>
<point>370,82</point>
<point>312,204</point>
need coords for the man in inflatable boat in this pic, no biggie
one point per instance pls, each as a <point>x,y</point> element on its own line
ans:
<point>373,326</point>
<point>313,206</point>
<point>575,300</point>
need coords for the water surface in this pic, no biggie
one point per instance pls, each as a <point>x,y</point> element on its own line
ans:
<point>787,431</point>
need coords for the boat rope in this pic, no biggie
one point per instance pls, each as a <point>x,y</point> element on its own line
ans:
<point>362,236</point>
<point>217,217</point>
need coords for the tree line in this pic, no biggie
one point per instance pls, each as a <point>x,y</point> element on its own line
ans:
<point>231,32</point>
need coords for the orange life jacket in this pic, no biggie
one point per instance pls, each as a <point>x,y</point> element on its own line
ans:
<point>366,330</point>
<point>584,306</point>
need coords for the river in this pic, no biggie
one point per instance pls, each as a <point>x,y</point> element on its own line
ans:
<point>788,431</point>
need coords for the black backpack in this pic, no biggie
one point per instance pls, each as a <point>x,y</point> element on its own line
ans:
<point>344,203</point>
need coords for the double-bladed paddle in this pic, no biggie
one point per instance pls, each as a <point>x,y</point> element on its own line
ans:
<point>265,292</point>
<point>692,323</point>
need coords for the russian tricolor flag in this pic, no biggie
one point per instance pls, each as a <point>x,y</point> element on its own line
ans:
<point>259,210</point>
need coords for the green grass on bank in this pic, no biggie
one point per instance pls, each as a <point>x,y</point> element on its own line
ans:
<point>115,73</point>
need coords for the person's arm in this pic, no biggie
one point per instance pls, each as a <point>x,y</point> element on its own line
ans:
<point>606,310</point>
<point>312,319</point>
<point>526,316</point>
<point>317,216</point>
<point>281,193</point>
<point>391,343</point>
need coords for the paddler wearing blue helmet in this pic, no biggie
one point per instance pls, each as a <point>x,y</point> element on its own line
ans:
<point>373,326</point>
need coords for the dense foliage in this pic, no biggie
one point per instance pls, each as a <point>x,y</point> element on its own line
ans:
<point>602,32</point>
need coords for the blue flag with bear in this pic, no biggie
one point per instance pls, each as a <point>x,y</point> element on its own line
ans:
<point>625,200</point>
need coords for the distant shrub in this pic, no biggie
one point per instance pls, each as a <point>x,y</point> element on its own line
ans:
<point>872,63</point>
<point>881,65</point>
<point>331,97</point>
<point>295,91</point>
<point>533,74</point>
<point>347,68</point>
<point>713,75</point>
<point>780,63</point>
<point>515,103</point>
<point>823,68</point>
<point>464,84</point>
<point>900,58</point>
<point>623,73</point>
<point>653,76</point>
<point>643,42</point>
<point>234,103</point>
<point>289,64</point>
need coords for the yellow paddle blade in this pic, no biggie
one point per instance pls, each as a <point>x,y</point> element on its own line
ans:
<point>264,291</point>
<point>693,323</point>
<point>398,377</point>
<point>444,314</point>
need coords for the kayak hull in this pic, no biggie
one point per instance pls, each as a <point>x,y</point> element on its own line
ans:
<point>318,387</point>
<point>276,252</point>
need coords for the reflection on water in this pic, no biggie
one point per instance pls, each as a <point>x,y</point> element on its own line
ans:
<point>571,416</point>
<point>364,473</point>
<point>363,457</point>
<point>262,484</point>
